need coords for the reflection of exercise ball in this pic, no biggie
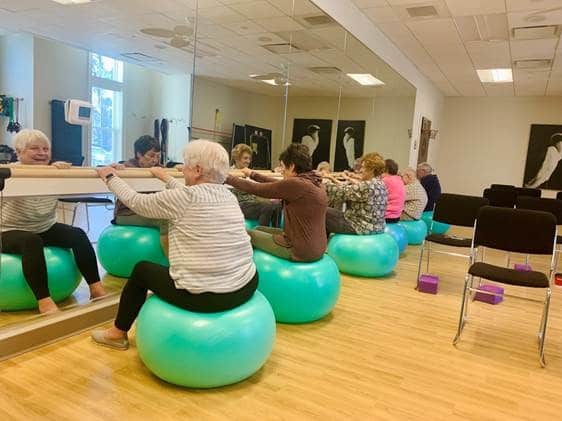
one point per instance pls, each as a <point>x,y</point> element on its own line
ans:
<point>298,292</point>
<point>416,230</point>
<point>370,256</point>
<point>251,223</point>
<point>399,234</point>
<point>438,227</point>
<point>121,247</point>
<point>63,278</point>
<point>205,349</point>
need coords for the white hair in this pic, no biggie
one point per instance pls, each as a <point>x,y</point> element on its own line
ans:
<point>210,156</point>
<point>26,137</point>
<point>425,167</point>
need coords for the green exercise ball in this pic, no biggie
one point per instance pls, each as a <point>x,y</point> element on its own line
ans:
<point>370,256</point>
<point>416,230</point>
<point>251,223</point>
<point>204,350</point>
<point>15,293</point>
<point>399,234</point>
<point>298,292</point>
<point>121,247</point>
<point>438,227</point>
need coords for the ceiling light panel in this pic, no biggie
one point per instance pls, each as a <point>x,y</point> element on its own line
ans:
<point>365,79</point>
<point>495,75</point>
<point>70,2</point>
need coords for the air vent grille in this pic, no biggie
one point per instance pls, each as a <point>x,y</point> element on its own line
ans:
<point>325,70</point>
<point>536,32</point>
<point>318,20</point>
<point>532,64</point>
<point>140,57</point>
<point>422,11</point>
<point>283,48</point>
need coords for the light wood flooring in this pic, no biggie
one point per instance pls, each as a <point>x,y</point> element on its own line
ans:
<point>385,353</point>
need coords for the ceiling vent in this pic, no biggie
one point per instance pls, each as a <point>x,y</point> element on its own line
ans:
<point>302,40</point>
<point>422,11</point>
<point>536,32</point>
<point>283,48</point>
<point>430,9</point>
<point>532,64</point>
<point>140,57</point>
<point>325,70</point>
<point>315,21</point>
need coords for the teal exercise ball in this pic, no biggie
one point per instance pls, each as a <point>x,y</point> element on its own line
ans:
<point>438,227</point>
<point>203,350</point>
<point>62,273</point>
<point>416,231</point>
<point>121,247</point>
<point>399,234</point>
<point>251,223</point>
<point>370,256</point>
<point>298,292</point>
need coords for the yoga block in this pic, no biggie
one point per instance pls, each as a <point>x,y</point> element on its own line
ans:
<point>522,267</point>
<point>490,299</point>
<point>558,279</point>
<point>428,284</point>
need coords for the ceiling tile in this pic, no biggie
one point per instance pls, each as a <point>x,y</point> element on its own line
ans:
<point>257,10</point>
<point>381,14</point>
<point>499,89</point>
<point>436,31</point>
<point>475,7</point>
<point>245,28</point>
<point>370,3</point>
<point>517,19</point>
<point>536,48</point>
<point>488,55</point>
<point>221,14</point>
<point>523,5</point>
<point>279,24</point>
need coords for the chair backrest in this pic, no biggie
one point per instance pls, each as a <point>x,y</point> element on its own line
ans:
<point>458,209</point>
<point>559,195</point>
<point>504,198</point>
<point>546,205</point>
<point>516,230</point>
<point>527,191</point>
<point>502,187</point>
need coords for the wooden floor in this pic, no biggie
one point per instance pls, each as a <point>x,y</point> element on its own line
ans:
<point>384,353</point>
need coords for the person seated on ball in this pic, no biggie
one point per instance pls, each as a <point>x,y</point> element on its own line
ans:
<point>365,200</point>
<point>396,191</point>
<point>211,266</point>
<point>323,167</point>
<point>305,202</point>
<point>416,197</point>
<point>266,212</point>
<point>30,223</point>
<point>147,155</point>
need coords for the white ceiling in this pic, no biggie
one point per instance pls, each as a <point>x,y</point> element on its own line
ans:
<point>230,36</point>
<point>440,48</point>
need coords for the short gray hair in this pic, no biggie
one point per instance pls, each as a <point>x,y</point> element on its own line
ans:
<point>26,137</point>
<point>210,156</point>
<point>425,167</point>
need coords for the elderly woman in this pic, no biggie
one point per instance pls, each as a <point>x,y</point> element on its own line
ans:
<point>304,236</point>
<point>416,197</point>
<point>211,267</point>
<point>266,212</point>
<point>396,191</point>
<point>29,224</point>
<point>365,199</point>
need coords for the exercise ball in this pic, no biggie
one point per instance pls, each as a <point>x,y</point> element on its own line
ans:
<point>15,293</point>
<point>298,292</point>
<point>370,256</point>
<point>438,227</point>
<point>251,223</point>
<point>121,247</point>
<point>416,231</point>
<point>205,350</point>
<point>399,234</point>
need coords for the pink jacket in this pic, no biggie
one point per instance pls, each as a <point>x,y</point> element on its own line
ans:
<point>396,196</point>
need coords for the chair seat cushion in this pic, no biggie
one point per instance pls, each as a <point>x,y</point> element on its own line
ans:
<point>448,240</point>
<point>509,276</point>
<point>86,199</point>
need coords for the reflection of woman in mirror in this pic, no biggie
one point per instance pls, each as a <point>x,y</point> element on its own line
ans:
<point>311,138</point>
<point>349,146</point>
<point>550,162</point>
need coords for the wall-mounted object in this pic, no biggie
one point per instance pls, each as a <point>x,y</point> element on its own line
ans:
<point>78,112</point>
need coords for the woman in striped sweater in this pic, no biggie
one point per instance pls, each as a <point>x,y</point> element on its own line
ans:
<point>30,223</point>
<point>211,267</point>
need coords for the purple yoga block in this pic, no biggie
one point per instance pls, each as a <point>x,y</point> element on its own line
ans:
<point>522,267</point>
<point>428,283</point>
<point>487,298</point>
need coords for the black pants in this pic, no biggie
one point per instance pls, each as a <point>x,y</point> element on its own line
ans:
<point>392,220</point>
<point>30,246</point>
<point>156,278</point>
<point>336,223</point>
<point>267,213</point>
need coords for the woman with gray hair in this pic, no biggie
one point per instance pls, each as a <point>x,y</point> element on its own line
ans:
<point>211,267</point>
<point>416,197</point>
<point>30,223</point>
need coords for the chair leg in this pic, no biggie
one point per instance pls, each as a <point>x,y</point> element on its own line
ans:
<point>428,253</point>
<point>420,264</point>
<point>87,218</point>
<point>74,214</point>
<point>483,255</point>
<point>544,322</point>
<point>464,305</point>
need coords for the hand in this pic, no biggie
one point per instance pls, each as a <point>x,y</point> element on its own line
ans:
<point>103,172</point>
<point>61,165</point>
<point>160,173</point>
<point>118,166</point>
<point>246,171</point>
<point>179,167</point>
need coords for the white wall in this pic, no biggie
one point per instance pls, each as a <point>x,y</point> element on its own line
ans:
<point>483,140</point>
<point>429,100</point>
<point>16,78</point>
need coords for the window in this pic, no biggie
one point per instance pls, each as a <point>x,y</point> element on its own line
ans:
<point>107,104</point>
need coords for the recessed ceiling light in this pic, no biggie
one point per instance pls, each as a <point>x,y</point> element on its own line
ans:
<point>495,75</point>
<point>365,79</point>
<point>72,1</point>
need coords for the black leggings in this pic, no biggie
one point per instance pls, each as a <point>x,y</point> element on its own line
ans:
<point>267,213</point>
<point>156,278</point>
<point>30,246</point>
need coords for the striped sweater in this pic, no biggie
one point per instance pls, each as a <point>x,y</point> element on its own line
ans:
<point>32,214</point>
<point>210,250</point>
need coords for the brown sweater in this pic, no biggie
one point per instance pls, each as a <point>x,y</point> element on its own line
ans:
<point>120,208</point>
<point>305,204</point>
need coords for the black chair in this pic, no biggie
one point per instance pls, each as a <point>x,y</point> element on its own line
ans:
<point>504,198</point>
<point>512,230</point>
<point>87,201</point>
<point>452,209</point>
<point>527,191</point>
<point>559,195</point>
<point>502,187</point>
